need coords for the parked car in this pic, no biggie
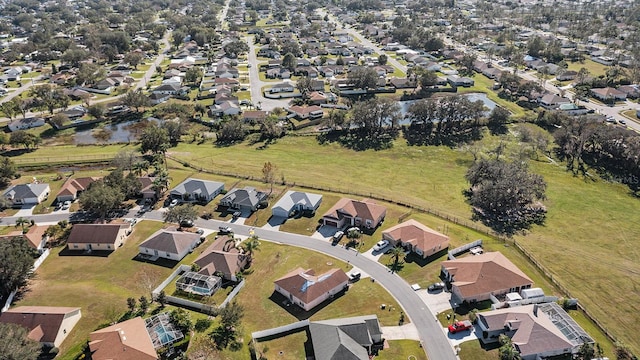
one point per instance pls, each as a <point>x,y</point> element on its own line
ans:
<point>173,203</point>
<point>380,245</point>
<point>200,231</point>
<point>436,286</point>
<point>459,326</point>
<point>355,276</point>
<point>622,121</point>
<point>338,235</point>
<point>224,230</point>
<point>186,223</point>
<point>66,205</point>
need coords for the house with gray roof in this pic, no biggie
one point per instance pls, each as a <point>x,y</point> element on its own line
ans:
<point>296,201</point>
<point>197,190</point>
<point>537,331</point>
<point>248,199</point>
<point>169,244</point>
<point>27,194</point>
<point>347,338</point>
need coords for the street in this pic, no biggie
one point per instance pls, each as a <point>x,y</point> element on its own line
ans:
<point>257,97</point>
<point>430,332</point>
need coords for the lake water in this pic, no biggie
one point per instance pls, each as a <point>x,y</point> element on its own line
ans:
<point>120,133</point>
<point>490,105</point>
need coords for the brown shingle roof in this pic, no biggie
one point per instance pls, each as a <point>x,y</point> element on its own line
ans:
<point>416,234</point>
<point>365,209</point>
<point>94,233</point>
<point>43,322</point>
<point>34,235</point>
<point>73,186</point>
<point>128,340</point>
<point>215,259</point>
<point>304,285</point>
<point>481,274</point>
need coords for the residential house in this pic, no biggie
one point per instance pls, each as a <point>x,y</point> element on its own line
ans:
<point>27,123</point>
<point>417,238</point>
<point>147,190</point>
<point>171,88</point>
<point>455,80</point>
<point>98,236</point>
<point>317,98</point>
<point>552,101</point>
<point>197,190</point>
<point>346,338</point>
<point>402,83</point>
<point>608,94</point>
<point>72,188</point>
<point>27,194</point>
<point>229,108</point>
<point>158,98</point>
<point>537,331</point>
<point>169,244</point>
<point>36,236</point>
<point>317,85</point>
<point>47,325</point>
<point>127,340</point>
<point>222,258</point>
<point>254,116</point>
<point>296,201</point>
<point>305,289</point>
<point>476,278</point>
<point>306,112</point>
<point>282,87</point>
<point>567,75</point>
<point>632,91</point>
<point>246,199</point>
<point>74,112</point>
<point>573,109</point>
<point>348,212</point>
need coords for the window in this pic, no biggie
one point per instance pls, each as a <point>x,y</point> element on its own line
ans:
<point>75,246</point>
<point>108,246</point>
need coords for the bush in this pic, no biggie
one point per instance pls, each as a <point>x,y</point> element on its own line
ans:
<point>202,325</point>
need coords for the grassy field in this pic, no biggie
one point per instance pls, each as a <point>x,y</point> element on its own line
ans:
<point>473,350</point>
<point>98,285</point>
<point>484,85</point>
<point>594,68</point>
<point>402,349</point>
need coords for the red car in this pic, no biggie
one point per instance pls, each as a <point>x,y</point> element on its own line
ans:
<point>460,326</point>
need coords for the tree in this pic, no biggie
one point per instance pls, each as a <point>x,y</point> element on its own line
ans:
<point>8,171</point>
<point>181,319</point>
<point>363,77</point>
<point>175,129</point>
<point>125,159</point>
<point>230,317</point>
<point>154,139</point>
<point>101,199</point>
<point>397,253</point>
<point>49,97</point>
<point>133,58</point>
<point>382,59</point>
<point>144,304</point>
<point>289,62</point>
<point>269,173</point>
<point>15,343</point>
<point>375,114</point>
<point>507,351</point>
<point>162,299</point>
<point>192,75</point>
<point>251,245</point>
<point>231,131</point>
<point>505,196</point>
<point>180,213</point>
<point>623,352</point>
<point>22,222</point>
<point>303,84</point>
<point>9,109</point>
<point>236,48</point>
<point>16,265</point>
<point>21,137</point>
<point>135,99</point>
<point>97,110</point>
<point>498,120</point>
<point>131,304</point>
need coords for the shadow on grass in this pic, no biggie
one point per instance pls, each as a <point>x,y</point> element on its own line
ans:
<point>299,312</point>
<point>94,253</point>
<point>166,263</point>
<point>422,262</point>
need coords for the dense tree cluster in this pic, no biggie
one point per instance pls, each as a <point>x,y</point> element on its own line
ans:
<point>445,121</point>
<point>505,196</point>
<point>15,344</point>
<point>16,265</point>
<point>8,171</point>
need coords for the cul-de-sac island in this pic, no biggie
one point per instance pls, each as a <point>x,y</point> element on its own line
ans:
<point>328,180</point>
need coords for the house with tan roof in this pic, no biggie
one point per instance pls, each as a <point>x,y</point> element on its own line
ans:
<point>348,212</point>
<point>476,278</point>
<point>46,324</point>
<point>537,331</point>
<point>72,188</point>
<point>107,237</point>
<point>169,244</point>
<point>305,289</point>
<point>416,237</point>
<point>608,94</point>
<point>146,187</point>
<point>128,340</point>
<point>35,236</point>
<point>222,258</point>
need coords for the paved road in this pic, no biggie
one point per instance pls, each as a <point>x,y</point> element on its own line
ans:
<point>430,332</point>
<point>152,69</point>
<point>257,97</point>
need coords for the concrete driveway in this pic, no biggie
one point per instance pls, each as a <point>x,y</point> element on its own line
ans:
<point>26,210</point>
<point>437,302</point>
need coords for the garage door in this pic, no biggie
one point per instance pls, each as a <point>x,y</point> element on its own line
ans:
<point>331,223</point>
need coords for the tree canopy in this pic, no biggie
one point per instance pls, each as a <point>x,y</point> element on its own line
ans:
<point>101,198</point>
<point>15,345</point>
<point>15,267</point>
<point>505,196</point>
<point>180,213</point>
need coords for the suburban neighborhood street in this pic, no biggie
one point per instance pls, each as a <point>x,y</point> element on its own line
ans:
<point>430,331</point>
<point>257,97</point>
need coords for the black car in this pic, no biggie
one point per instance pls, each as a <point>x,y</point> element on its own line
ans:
<point>186,223</point>
<point>436,286</point>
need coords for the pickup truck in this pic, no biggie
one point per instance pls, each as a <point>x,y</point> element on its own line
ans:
<point>460,326</point>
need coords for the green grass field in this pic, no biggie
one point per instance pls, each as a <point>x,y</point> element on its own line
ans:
<point>594,68</point>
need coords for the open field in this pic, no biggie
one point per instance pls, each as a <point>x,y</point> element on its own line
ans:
<point>594,68</point>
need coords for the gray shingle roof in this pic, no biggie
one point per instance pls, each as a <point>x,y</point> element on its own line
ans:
<point>198,187</point>
<point>23,191</point>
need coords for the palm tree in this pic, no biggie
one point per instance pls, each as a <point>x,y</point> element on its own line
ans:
<point>140,166</point>
<point>22,222</point>
<point>397,252</point>
<point>249,246</point>
<point>231,242</point>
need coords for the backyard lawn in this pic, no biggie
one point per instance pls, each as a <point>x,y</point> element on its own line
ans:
<point>99,285</point>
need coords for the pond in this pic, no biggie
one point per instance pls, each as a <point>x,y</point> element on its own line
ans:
<point>122,132</point>
<point>489,104</point>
